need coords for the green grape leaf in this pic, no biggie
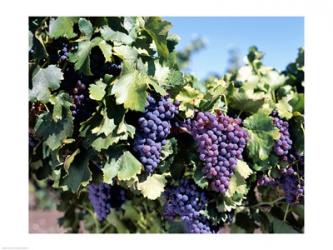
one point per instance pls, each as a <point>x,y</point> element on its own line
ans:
<point>104,142</point>
<point>62,27</point>
<point>280,226</point>
<point>158,30</point>
<point>97,90</point>
<point>86,27</point>
<point>116,36</point>
<point>111,167</point>
<point>81,59</point>
<point>70,158</point>
<point>243,169</point>
<point>153,186</point>
<point>284,109</point>
<point>237,184</point>
<point>128,54</point>
<point>130,90</point>
<point>78,172</point>
<point>189,99</point>
<point>199,177</point>
<point>44,81</point>
<point>246,100</point>
<point>262,134</point>
<point>297,103</point>
<point>60,101</point>
<point>105,48</point>
<point>54,133</point>
<point>129,166</point>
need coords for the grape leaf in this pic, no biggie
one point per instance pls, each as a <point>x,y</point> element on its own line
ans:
<point>262,134</point>
<point>86,27</point>
<point>54,133</point>
<point>284,108</point>
<point>246,99</point>
<point>97,90</point>
<point>129,166</point>
<point>81,58</point>
<point>128,54</point>
<point>111,167</point>
<point>70,158</point>
<point>280,226</point>
<point>237,182</point>
<point>59,102</point>
<point>45,80</point>
<point>189,99</point>
<point>78,172</point>
<point>153,186</point>
<point>243,169</point>
<point>158,30</point>
<point>115,36</point>
<point>130,90</point>
<point>62,26</point>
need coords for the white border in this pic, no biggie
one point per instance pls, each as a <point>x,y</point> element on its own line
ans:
<point>14,155</point>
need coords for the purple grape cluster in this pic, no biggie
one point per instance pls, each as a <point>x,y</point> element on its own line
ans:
<point>186,202</point>
<point>154,127</point>
<point>292,184</point>
<point>198,225</point>
<point>64,53</point>
<point>266,181</point>
<point>80,94</point>
<point>284,143</point>
<point>103,197</point>
<point>221,141</point>
<point>100,198</point>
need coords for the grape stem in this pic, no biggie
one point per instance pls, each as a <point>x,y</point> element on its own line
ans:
<point>92,215</point>
<point>268,203</point>
<point>286,213</point>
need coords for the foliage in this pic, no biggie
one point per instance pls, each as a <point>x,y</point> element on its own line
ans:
<point>121,61</point>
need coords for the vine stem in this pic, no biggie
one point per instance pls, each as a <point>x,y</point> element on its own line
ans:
<point>269,203</point>
<point>286,213</point>
<point>92,215</point>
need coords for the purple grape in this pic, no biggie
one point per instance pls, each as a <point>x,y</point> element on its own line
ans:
<point>154,127</point>
<point>221,142</point>
<point>186,202</point>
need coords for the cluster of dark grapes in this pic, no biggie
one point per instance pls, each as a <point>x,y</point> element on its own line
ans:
<point>221,141</point>
<point>64,53</point>
<point>154,127</point>
<point>284,143</point>
<point>265,180</point>
<point>103,197</point>
<point>80,94</point>
<point>186,201</point>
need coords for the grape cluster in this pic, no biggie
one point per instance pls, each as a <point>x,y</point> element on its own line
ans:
<point>63,53</point>
<point>103,197</point>
<point>266,181</point>
<point>100,198</point>
<point>221,141</point>
<point>154,127</point>
<point>284,143</point>
<point>80,96</point>
<point>197,225</point>
<point>186,201</point>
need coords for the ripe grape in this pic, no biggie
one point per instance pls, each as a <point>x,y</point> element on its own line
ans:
<point>154,128</point>
<point>186,202</point>
<point>103,197</point>
<point>100,198</point>
<point>221,141</point>
<point>284,143</point>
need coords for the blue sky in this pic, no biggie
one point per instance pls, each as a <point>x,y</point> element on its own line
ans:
<point>278,37</point>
